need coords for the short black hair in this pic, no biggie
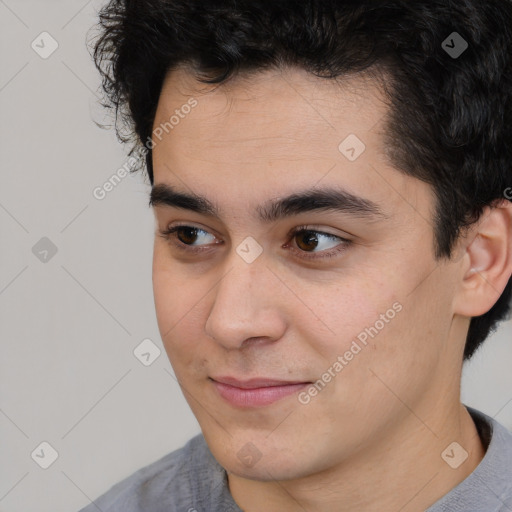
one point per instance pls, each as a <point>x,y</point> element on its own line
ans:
<point>450,116</point>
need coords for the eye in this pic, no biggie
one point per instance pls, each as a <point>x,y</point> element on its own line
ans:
<point>182,237</point>
<point>185,238</point>
<point>309,239</point>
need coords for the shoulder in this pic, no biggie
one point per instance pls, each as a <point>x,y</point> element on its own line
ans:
<point>181,480</point>
<point>489,487</point>
<point>498,442</point>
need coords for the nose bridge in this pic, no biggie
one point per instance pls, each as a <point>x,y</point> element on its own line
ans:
<point>245,304</point>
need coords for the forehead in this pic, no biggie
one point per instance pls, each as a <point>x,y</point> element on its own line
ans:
<point>273,132</point>
<point>292,96</point>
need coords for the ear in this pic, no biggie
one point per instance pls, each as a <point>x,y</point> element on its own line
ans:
<point>486,261</point>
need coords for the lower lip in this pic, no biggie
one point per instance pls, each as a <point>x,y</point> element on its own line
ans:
<point>256,397</point>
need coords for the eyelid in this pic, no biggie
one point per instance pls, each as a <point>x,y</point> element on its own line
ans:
<point>304,255</point>
<point>317,229</point>
<point>322,255</point>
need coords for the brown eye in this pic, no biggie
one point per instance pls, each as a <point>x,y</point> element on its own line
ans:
<point>309,239</point>
<point>186,234</point>
<point>185,238</point>
<point>306,240</point>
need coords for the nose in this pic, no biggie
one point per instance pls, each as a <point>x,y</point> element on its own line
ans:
<point>248,304</point>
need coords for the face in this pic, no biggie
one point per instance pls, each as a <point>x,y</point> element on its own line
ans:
<point>297,332</point>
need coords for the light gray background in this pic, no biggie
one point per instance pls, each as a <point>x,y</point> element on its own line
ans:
<point>69,326</point>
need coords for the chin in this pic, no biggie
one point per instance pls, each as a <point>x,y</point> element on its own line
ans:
<point>260,459</point>
<point>266,471</point>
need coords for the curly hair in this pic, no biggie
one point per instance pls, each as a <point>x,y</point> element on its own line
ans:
<point>450,115</point>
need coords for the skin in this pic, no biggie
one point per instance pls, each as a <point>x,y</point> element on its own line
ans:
<point>372,438</point>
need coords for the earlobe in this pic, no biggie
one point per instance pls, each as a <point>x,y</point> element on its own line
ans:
<point>489,258</point>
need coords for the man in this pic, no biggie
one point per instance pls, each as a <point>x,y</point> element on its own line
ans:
<point>331,187</point>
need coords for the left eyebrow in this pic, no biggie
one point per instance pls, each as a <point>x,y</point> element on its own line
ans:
<point>321,199</point>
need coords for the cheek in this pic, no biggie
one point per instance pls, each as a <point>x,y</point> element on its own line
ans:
<point>166,289</point>
<point>370,316</point>
<point>180,331</point>
<point>175,289</point>
<point>357,308</point>
<point>402,354</point>
<point>177,304</point>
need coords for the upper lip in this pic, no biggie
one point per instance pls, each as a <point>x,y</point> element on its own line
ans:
<point>255,382</point>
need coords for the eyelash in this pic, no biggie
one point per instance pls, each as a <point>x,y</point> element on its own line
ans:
<point>168,234</point>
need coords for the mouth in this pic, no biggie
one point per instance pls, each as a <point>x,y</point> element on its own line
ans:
<point>257,392</point>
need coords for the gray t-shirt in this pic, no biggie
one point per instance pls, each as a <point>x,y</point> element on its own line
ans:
<point>191,480</point>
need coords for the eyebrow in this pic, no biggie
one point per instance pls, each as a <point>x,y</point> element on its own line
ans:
<point>319,199</point>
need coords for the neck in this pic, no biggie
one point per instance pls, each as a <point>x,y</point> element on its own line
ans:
<point>403,470</point>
